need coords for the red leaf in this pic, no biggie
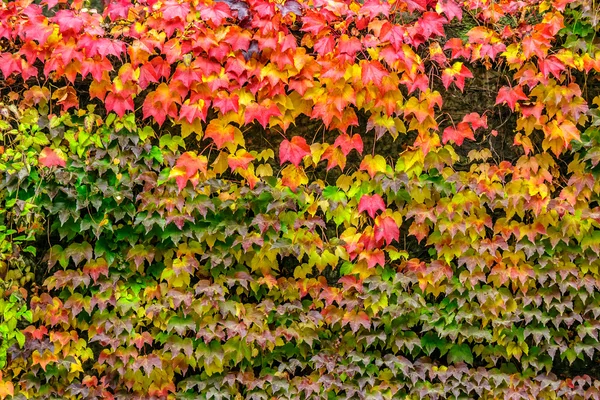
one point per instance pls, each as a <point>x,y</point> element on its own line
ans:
<point>373,257</point>
<point>431,23</point>
<point>551,65</point>
<point>10,63</point>
<point>192,111</point>
<point>334,157</point>
<point>372,8</point>
<point>458,134</point>
<point>68,21</point>
<point>371,204</point>
<point>160,103</point>
<point>456,74</point>
<point>350,281</point>
<point>36,333</point>
<point>261,112</point>
<point>349,45</point>
<point>450,8</point>
<point>347,143</point>
<point>226,102</point>
<point>173,9</point>
<point>187,74</point>
<point>476,121</point>
<point>192,163</point>
<point>458,48</point>
<point>118,9</point>
<point>294,150</point>
<point>510,96</point>
<point>49,158</point>
<point>372,72</point>
<point>95,66</point>
<point>119,103</point>
<point>105,47</point>
<point>216,13</point>
<point>413,5</point>
<point>96,268</point>
<point>325,45</point>
<point>386,229</point>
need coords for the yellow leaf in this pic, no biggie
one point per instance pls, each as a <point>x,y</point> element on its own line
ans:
<point>292,177</point>
<point>264,170</point>
<point>344,182</point>
<point>220,165</point>
<point>187,129</point>
<point>373,164</point>
<point>75,367</point>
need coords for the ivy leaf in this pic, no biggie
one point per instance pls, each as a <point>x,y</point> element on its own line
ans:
<point>386,229</point>
<point>431,23</point>
<point>119,103</point>
<point>261,112</point>
<point>356,319</point>
<point>194,111</point>
<point>291,7</point>
<point>66,97</point>
<point>457,134</point>
<point>240,160</point>
<point>293,176</point>
<point>171,142</point>
<point>293,151</point>
<point>347,143</point>
<point>510,95</point>
<point>450,8</point>
<point>95,268</point>
<point>160,103</point>
<point>373,8</point>
<point>187,166</point>
<point>413,5</point>
<point>476,120</point>
<point>456,74</point>
<point>372,72</point>
<point>173,9</point>
<point>221,132</point>
<point>373,164</point>
<point>6,389</point>
<point>460,353</point>
<point>50,158</point>
<point>371,204</point>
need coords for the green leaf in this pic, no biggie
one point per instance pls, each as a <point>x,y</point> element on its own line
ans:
<point>20,338</point>
<point>460,353</point>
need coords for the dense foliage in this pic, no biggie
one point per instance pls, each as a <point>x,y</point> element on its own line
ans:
<point>270,199</point>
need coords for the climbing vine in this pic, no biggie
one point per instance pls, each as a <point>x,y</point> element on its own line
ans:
<point>276,199</point>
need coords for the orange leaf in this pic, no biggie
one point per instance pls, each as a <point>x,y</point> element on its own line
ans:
<point>6,389</point>
<point>67,97</point>
<point>240,160</point>
<point>220,132</point>
<point>160,103</point>
<point>187,166</point>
